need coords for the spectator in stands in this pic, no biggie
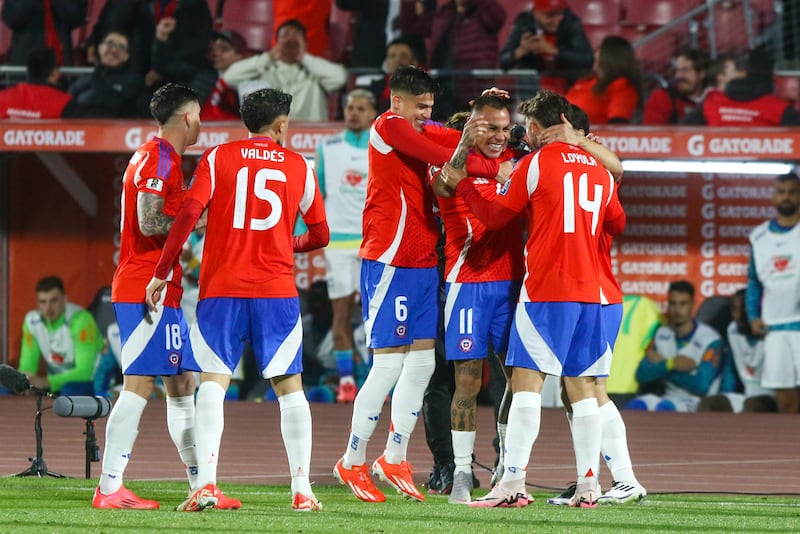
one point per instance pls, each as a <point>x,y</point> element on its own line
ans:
<point>115,14</point>
<point>744,359</point>
<point>65,336</point>
<point>380,22</point>
<point>227,47</point>
<point>721,70</point>
<point>748,100</point>
<point>463,37</point>
<point>34,27</point>
<point>113,87</point>
<point>38,97</point>
<point>614,90</point>
<point>314,15</point>
<point>399,53</point>
<point>685,356</point>
<point>669,105</point>
<point>549,38</point>
<point>182,33</point>
<point>464,34</point>
<point>288,67</point>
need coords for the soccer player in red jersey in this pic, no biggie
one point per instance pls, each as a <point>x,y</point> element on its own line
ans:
<point>253,190</point>
<point>613,441</point>
<point>483,272</point>
<point>399,280</point>
<point>569,198</point>
<point>152,344</point>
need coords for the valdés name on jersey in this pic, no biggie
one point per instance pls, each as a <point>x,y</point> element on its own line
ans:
<point>263,154</point>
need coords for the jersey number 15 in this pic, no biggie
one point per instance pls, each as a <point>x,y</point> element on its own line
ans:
<point>261,192</point>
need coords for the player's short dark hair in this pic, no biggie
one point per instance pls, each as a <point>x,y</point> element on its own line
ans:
<point>49,283</point>
<point>261,108</point>
<point>168,99</point>
<point>414,81</point>
<point>788,177</point>
<point>578,118</point>
<point>682,286</point>
<point>491,101</point>
<point>41,63</point>
<point>292,23</point>
<point>546,108</point>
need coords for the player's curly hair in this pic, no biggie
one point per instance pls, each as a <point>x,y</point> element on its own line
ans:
<point>261,108</point>
<point>168,99</point>
<point>546,108</point>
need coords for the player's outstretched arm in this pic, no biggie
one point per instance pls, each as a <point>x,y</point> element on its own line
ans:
<point>567,133</point>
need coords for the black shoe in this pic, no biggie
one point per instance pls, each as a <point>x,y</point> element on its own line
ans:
<point>440,481</point>
<point>434,480</point>
<point>564,498</point>
<point>475,482</point>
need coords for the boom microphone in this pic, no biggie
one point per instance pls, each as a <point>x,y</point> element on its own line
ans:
<point>13,379</point>
<point>86,407</point>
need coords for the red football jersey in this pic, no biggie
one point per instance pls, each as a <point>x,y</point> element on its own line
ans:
<point>474,253</point>
<point>566,193</point>
<point>398,224</point>
<point>254,189</point>
<point>154,168</point>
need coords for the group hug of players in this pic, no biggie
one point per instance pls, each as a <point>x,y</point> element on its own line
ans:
<point>548,305</point>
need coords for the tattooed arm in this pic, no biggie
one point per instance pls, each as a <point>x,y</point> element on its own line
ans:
<point>150,212</point>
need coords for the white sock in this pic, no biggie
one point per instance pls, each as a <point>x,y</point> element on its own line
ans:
<point>180,423</point>
<point>209,424</point>
<point>524,420</point>
<point>586,439</point>
<point>502,429</point>
<point>296,432</point>
<point>463,447</point>
<point>121,431</point>
<point>418,367</point>
<point>368,405</point>
<point>614,444</point>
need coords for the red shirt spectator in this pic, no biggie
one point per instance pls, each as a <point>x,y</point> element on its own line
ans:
<point>227,47</point>
<point>37,98</point>
<point>747,101</point>
<point>464,34</point>
<point>612,93</point>
<point>670,104</point>
<point>616,104</point>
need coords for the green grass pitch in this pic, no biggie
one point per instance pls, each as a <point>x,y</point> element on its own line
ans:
<point>63,505</point>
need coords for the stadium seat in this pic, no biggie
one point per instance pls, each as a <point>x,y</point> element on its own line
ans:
<point>5,39</point>
<point>102,310</point>
<point>716,312</point>
<point>340,35</point>
<point>598,12</point>
<point>596,33</point>
<point>654,13</point>
<point>251,18</point>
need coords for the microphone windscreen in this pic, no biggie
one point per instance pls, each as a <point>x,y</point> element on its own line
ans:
<point>13,379</point>
<point>86,407</point>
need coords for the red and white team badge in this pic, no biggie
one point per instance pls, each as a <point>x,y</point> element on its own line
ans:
<point>400,330</point>
<point>465,344</point>
<point>174,359</point>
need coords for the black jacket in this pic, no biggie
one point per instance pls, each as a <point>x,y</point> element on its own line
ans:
<point>108,92</point>
<point>574,51</point>
<point>26,20</point>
